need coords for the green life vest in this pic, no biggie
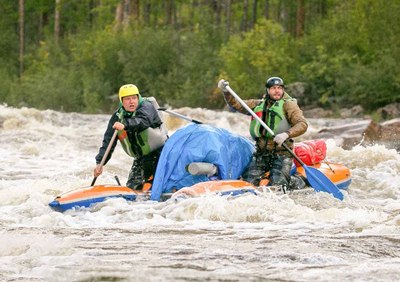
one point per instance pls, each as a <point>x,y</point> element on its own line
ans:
<point>144,142</point>
<point>273,116</point>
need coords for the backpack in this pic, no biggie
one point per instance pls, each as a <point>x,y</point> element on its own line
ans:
<point>310,152</point>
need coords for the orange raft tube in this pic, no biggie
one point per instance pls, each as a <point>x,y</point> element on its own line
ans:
<point>337,173</point>
<point>85,197</point>
<point>221,187</point>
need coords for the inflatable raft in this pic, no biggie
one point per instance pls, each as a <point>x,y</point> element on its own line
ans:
<point>86,197</point>
<point>225,156</point>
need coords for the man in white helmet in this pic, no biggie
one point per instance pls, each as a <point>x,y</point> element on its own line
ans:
<point>284,117</point>
<point>140,134</point>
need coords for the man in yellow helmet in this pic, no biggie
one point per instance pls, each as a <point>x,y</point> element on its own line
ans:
<point>140,133</point>
<point>282,114</point>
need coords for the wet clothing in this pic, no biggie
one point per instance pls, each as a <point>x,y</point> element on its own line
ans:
<point>278,166</point>
<point>143,169</point>
<point>133,139</point>
<point>281,116</point>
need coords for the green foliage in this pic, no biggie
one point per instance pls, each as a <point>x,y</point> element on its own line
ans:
<point>249,59</point>
<point>350,57</point>
<point>146,57</point>
<point>49,82</point>
<point>347,56</point>
<point>96,58</point>
<point>58,90</point>
<point>8,37</point>
<point>197,70</point>
<point>7,82</point>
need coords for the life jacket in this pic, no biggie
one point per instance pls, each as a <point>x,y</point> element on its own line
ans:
<point>146,141</point>
<point>273,116</point>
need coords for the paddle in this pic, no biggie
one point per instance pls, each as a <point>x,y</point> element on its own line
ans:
<point>316,178</point>
<point>105,154</point>
<point>179,115</point>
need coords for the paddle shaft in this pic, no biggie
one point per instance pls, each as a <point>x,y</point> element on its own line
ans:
<point>179,115</point>
<point>103,160</point>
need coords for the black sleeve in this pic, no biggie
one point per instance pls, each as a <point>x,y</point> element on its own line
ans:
<point>106,140</point>
<point>146,116</point>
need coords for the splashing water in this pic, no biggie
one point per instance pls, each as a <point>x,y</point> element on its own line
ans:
<point>246,238</point>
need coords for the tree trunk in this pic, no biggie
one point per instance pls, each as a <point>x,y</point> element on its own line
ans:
<point>228,15</point>
<point>126,13</point>
<point>283,15</point>
<point>192,12</point>
<point>146,12</point>
<point>119,16</point>
<point>169,12</point>
<point>217,10</point>
<point>21,36</point>
<point>323,8</point>
<point>254,13</point>
<point>266,10</point>
<point>245,13</point>
<point>57,22</point>
<point>135,11</point>
<point>300,18</point>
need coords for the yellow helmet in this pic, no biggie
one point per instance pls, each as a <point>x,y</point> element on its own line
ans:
<point>127,90</point>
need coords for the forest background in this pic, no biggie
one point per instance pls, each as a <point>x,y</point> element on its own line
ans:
<point>73,55</point>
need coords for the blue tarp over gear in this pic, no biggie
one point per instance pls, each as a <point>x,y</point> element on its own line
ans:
<point>229,152</point>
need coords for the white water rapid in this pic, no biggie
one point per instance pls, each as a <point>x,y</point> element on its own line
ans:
<point>249,238</point>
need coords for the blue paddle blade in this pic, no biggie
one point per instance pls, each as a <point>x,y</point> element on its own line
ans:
<point>321,183</point>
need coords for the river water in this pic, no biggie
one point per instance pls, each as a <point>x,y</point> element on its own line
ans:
<point>247,238</point>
